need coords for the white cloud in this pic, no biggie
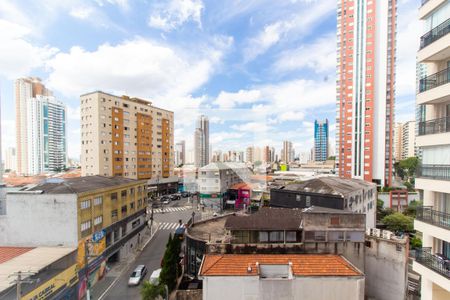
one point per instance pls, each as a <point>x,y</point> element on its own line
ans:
<point>292,116</point>
<point>18,57</point>
<point>230,100</point>
<point>82,12</point>
<point>171,15</point>
<point>219,137</point>
<point>252,127</point>
<point>295,26</point>
<point>319,56</point>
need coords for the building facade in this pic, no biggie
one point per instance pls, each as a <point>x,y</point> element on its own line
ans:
<point>321,140</point>
<point>201,142</point>
<point>408,139</point>
<point>180,153</point>
<point>398,141</point>
<point>123,136</point>
<point>40,128</point>
<point>287,152</point>
<point>366,38</point>
<point>11,159</point>
<point>433,177</point>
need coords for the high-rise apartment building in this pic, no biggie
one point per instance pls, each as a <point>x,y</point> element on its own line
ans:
<point>249,154</point>
<point>180,153</point>
<point>10,159</point>
<point>433,140</point>
<point>40,128</point>
<point>366,37</point>
<point>321,140</point>
<point>123,136</point>
<point>408,139</point>
<point>201,142</point>
<point>398,141</point>
<point>287,152</point>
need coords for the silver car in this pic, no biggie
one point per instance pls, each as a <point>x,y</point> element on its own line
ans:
<point>137,275</point>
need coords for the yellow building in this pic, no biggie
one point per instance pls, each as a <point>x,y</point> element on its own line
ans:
<point>123,136</point>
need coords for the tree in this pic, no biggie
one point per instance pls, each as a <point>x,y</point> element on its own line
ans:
<point>398,222</point>
<point>409,166</point>
<point>170,264</point>
<point>331,158</point>
<point>149,291</point>
<point>383,211</point>
<point>412,208</point>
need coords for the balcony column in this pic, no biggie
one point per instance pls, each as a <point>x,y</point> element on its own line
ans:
<point>428,198</point>
<point>426,289</point>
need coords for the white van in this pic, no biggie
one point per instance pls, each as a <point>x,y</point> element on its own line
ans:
<point>154,278</point>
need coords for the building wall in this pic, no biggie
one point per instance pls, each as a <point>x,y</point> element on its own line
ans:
<point>321,140</point>
<point>252,287</point>
<point>386,268</point>
<point>408,140</point>
<point>39,220</point>
<point>125,136</point>
<point>11,159</point>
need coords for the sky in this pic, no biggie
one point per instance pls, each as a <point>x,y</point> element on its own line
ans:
<point>262,71</point>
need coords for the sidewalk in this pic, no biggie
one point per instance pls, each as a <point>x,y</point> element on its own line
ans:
<point>118,268</point>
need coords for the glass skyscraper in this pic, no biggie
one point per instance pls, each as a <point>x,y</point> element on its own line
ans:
<point>321,140</point>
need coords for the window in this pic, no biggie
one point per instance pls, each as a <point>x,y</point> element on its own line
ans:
<point>124,210</point>
<point>263,236</point>
<point>336,236</point>
<point>276,236</point>
<point>123,194</point>
<point>334,220</point>
<point>98,220</point>
<point>113,196</point>
<point>98,200</point>
<point>85,204</point>
<point>86,228</point>
<point>136,223</point>
<point>114,213</point>
<point>291,236</point>
<point>131,205</point>
<point>308,201</point>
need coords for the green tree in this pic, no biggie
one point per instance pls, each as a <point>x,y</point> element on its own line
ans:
<point>398,222</point>
<point>150,291</point>
<point>383,211</point>
<point>415,242</point>
<point>412,208</point>
<point>409,165</point>
<point>331,158</point>
<point>170,264</point>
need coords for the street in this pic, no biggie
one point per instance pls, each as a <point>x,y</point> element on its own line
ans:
<point>151,255</point>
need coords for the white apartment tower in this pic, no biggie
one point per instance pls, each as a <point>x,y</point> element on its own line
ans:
<point>127,137</point>
<point>201,142</point>
<point>287,152</point>
<point>433,140</point>
<point>40,128</point>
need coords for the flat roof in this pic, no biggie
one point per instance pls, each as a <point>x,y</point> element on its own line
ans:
<point>79,185</point>
<point>31,260</point>
<point>267,218</point>
<point>302,264</point>
<point>7,253</point>
<point>330,185</point>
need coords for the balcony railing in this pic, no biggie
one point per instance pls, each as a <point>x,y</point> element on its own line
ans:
<point>441,172</point>
<point>434,80</point>
<point>435,34</point>
<point>436,263</point>
<point>440,125</point>
<point>428,215</point>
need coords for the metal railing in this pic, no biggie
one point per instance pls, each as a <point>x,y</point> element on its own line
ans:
<point>441,172</point>
<point>435,217</point>
<point>434,262</point>
<point>440,125</point>
<point>434,80</point>
<point>435,34</point>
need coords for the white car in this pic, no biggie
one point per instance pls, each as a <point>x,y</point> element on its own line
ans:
<point>137,275</point>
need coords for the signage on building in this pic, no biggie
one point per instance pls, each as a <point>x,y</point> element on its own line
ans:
<point>97,236</point>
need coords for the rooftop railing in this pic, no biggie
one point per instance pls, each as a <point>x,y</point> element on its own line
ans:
<point>440,172</point>
<point>435,217</point>
<point>434,80</point>
<point>437,263</point>
<point>440,125</point>
<point>435,34</point>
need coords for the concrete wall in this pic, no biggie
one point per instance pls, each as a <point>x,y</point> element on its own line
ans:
<point>39,220</point>
<point>386,268</point>
<point>254,288</point>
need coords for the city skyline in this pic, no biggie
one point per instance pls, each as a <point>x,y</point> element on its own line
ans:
<point>244,69</point>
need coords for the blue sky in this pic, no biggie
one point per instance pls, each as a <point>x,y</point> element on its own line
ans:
<point>262,70</point>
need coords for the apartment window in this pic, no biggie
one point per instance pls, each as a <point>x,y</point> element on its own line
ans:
<point>124,210</point>
<point>263,236</point>
<point>336,236</point>
<point>114,213</point>
<point>291,236</point>
<point>123,193</point>
<point>113,196</point>
<point>98,201</point>
<point>131,205</point>
<point>139,203</point>
<point>85,204</point>
<point>98,220</point>
<point>86,228</point>
<point>276,236</point>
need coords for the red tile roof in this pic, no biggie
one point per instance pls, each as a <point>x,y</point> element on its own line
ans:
<point>302,264</point>
<point>8,253</point>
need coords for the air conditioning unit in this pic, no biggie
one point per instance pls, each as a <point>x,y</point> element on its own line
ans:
<point>387,234</point>
<point>369,231</point>
<point>376,232</point>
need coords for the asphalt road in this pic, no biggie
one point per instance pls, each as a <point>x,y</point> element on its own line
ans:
<point>152,254</point>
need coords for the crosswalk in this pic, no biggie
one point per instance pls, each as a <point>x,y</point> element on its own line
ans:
<point>168,226</point>
<point>169,209</point>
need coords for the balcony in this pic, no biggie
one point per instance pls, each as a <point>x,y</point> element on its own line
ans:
<point>440,125</point>
<point>435,34</point>
<point>439,172</point>
<point>428,215</point>
<point>434,80</point>
<point>437,263</point>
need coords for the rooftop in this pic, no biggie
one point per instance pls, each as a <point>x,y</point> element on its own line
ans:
<point>267,218</point>
<point>27,259</point>
<point>209,230</point>
<point>302,264</point>
<point>79,185</point>
<point>331,185</point>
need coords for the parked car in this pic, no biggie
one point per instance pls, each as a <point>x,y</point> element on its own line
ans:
<point>175,197</point>
<point>185,194</point>
<point>154,278</point>
<point>137,275</point>
<point>165,199</point>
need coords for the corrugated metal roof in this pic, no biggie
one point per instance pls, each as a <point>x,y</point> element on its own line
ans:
<point>331,185</point>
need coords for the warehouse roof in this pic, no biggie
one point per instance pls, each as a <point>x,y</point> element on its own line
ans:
<point>267,218</point>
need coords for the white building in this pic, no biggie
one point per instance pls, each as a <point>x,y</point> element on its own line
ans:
<point>11,159</point>
<point>287,152</point>
<point>409,139</point>
<point>433,178</point>
<point>202,148</point>
<point>180,153</point>
<point>280,276</point>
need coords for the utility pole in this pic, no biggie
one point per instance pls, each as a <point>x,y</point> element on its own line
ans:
<point>19,280</point>
<point>86,265</point>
